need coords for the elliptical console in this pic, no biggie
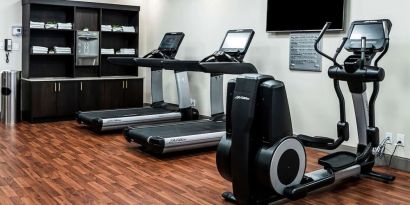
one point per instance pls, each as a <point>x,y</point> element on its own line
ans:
<point>264,160</point>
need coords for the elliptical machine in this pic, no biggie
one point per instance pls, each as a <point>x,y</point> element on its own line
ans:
<point>264,160</point>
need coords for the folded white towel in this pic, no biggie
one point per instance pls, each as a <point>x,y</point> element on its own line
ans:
<point>128,29</point>
<point>51,26</point>
<point>107,51</point>
<point>40,48</point>
<point>62,50</point>
<point>65,25</point>
<point>37,24</point>
<point>117,29</point>
<point>40,52</point>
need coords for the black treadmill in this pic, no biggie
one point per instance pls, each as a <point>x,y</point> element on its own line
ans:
<point>180,136</point>
<point>159,111</point>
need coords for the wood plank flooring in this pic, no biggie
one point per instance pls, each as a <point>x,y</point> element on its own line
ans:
<point>64,163</point>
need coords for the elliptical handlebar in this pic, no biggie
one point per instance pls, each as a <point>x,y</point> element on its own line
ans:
<point>363,52</point>
<point>321,34</point>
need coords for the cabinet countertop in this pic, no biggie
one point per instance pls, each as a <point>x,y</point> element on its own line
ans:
<point>82,78</point>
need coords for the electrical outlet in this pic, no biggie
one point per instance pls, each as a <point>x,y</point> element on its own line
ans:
<point>389,137</point>
<point>400,139</point>
<point>193,102</point>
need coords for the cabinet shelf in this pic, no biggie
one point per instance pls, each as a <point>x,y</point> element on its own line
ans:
<point>52,30</point>
<point>118,55</point>
<point>119,32</point>
<point>44,54</point>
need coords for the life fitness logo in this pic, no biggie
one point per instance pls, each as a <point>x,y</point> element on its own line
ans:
<point>177,141</point>
<point>239,97</point>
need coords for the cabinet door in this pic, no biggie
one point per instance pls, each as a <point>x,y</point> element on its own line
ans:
<point>113,94</point>
<point>67,103</point>
<point>133,93</point>
<point>91,95</point>
<point>43,99</point>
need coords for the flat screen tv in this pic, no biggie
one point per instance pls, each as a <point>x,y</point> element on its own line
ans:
<point>304,15</point>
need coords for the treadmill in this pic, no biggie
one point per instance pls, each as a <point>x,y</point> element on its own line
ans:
<point>182,136</point>
<point>159,111</point>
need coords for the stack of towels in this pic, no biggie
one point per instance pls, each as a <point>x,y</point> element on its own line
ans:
<point>117,28</point>
<point>128,29</point>
<point>39,50</point>
<point>62,50</point>
<point>126,51</point>
<point>106,28</point>
<point>36,24</point>
<point>124,29</point>
<point>65,26</point>
<point>107,51</point>
<point>51,26</point>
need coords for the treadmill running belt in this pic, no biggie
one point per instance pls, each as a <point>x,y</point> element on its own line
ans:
<point>177,129</point>
<point>104,114</point>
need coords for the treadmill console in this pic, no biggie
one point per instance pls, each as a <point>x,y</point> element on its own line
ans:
<point>376,33</point>
<point>236,42</point>
<point>170,43</point>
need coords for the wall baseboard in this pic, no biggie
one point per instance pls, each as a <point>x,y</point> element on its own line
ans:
<point>399,163</point>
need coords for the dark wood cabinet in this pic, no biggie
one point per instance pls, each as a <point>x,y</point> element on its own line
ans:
<point>49,100</point>
<point>133,93</point>
<point>53,99</point>
<point>90,95</point>
<point>123,94</point>
<point>67,103</point>
<point>43,99</point>
<point>113,94</point>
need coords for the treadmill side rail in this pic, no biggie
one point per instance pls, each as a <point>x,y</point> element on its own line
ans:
<point>123,122</point>
<point>174,144</point>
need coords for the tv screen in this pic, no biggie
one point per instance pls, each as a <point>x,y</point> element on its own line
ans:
<point>304,15</point>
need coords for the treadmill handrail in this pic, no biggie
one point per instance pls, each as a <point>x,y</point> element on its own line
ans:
<point>235,68</point>
<point>158,64</point>
<point>186,65</point>
<point>154,64</point>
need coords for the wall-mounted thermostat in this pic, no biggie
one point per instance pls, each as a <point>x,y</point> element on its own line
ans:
<point>17,30</point>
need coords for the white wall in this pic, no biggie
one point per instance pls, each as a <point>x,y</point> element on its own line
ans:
<point>11,15</point>
<point>314,105</point>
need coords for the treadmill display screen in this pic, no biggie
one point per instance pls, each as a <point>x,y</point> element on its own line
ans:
<point>370,31</point>
<point>236,41</point>
<point>171,41</point>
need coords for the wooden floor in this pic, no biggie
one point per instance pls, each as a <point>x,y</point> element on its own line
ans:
<point>63,163</point>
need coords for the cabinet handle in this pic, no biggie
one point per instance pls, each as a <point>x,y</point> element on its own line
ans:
<point>126,84</point>
<point>55,87</point>
<point>123,84</point>
<point>81,86</point>
<point>59,87</point>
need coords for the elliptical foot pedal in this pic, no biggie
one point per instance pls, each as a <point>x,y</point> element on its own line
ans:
<point>315,142</point>
<point>338,161</point>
